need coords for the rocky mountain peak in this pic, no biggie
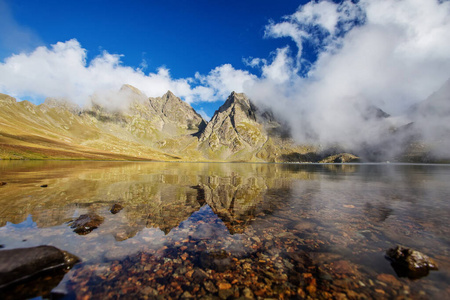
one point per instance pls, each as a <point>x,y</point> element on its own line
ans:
<point>169,96</point>
<point>234,126</point>
<point>175,110</point>
<point>132,89</point>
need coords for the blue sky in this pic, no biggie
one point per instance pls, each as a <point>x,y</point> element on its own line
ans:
<point>317,63</point>
<point>183,36</point>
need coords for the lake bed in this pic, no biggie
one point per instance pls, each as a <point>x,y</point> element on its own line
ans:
<point>230,230</point>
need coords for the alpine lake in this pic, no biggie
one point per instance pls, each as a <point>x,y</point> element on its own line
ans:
<point>228,230</point>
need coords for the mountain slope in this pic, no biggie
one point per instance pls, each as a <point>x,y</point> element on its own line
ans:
<point>56,129</point>
<point>239,131</point>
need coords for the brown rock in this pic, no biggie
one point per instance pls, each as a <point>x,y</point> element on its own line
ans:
<point>20,264</point>
<point>210,287</point>
<point>86,223</point>
<point>344,267</point>
<point>225,294</point>
<point>410,263</point>
<point>224,286</point>
<point>247,293</point>
<point>390,279</point>
<point>116,208</point>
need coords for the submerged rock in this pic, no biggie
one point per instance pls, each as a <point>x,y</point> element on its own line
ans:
<point>116,208</point>
<point>86,223</point>
<point>410,263</point>
<point>17,265</point>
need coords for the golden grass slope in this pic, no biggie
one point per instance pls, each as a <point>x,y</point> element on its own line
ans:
<point>28,131</point>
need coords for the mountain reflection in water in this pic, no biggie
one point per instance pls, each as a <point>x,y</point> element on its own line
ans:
<point>232,230</point>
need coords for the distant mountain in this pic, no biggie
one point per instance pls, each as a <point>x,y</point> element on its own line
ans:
<point>430,127</point>
<point>436,105</point>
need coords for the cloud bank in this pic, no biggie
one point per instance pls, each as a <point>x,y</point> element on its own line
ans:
<point>386,53</point>
<point>389,54</point>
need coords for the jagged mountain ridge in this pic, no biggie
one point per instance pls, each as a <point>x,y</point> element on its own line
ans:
<point>160,128</point>
<point>167,128</point>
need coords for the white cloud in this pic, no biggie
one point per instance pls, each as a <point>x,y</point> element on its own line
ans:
<point>323,13</point>
<point>387,53</point>
<point>254,62</point>
<point>62,71</point>
<point>224,79</point>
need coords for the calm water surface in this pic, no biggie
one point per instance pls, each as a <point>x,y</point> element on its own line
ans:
<point>225,231</point>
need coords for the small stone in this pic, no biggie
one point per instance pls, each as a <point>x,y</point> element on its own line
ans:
<point>247,293</point>
<point>389,279</point>
<point>224,286</point>
<point>340,296</point>
<point>44,185</point>
<point>225,294</point>
<point>288,264</point>
<point>256,239</point>
<point>116,208</point>
<point>199,275</point>
<point>343,267</point>
<point>186,295</point>
<point>149,291</point>
<point>2,183</point>
<point>311,289</point>
<point>86,223</point>
<point>121,236</point>
<point>210,287</point>
<point>353,295</point>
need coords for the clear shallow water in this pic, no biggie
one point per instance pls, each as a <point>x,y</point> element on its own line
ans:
<point>232,230</point>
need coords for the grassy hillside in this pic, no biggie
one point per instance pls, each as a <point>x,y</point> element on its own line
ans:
<point>28,131</point>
